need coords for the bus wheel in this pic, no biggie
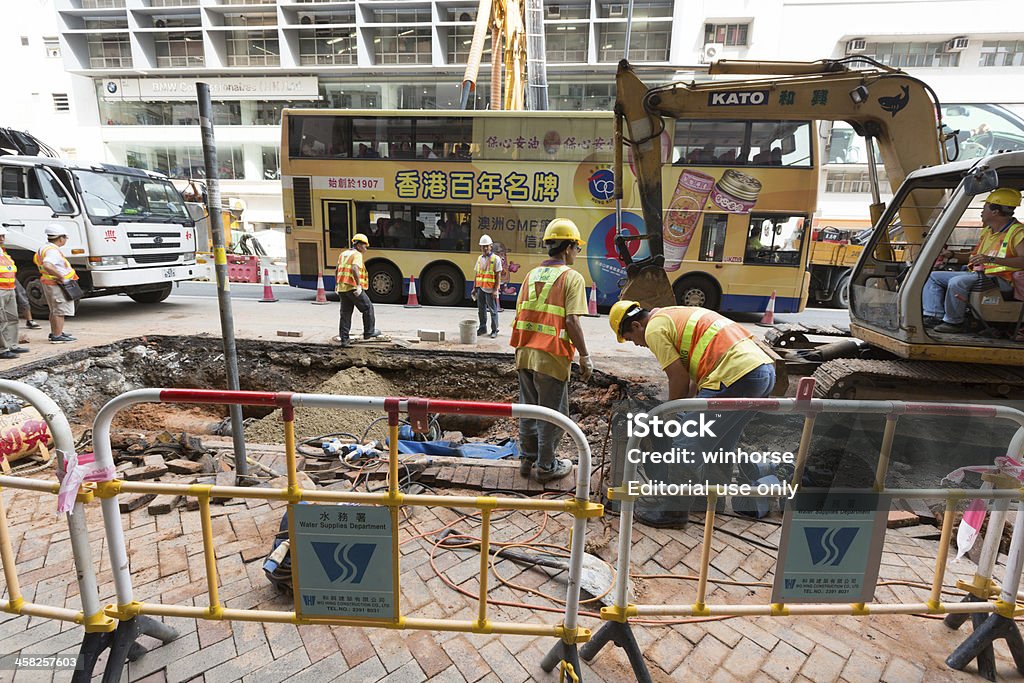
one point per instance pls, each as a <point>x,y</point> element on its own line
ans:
<point>841,294</point>
<point>443,286</point>
<point>385,283</point>
<point>696,291</point>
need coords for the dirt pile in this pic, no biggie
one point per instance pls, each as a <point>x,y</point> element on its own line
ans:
<point>311,422</point>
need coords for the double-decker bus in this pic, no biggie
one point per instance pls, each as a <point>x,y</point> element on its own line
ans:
<point>425,185</point>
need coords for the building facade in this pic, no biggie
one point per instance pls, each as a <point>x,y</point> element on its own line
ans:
<point>131,65</point>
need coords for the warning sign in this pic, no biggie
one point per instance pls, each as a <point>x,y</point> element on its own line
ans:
<point>342,556</point>
<point>831,546</point>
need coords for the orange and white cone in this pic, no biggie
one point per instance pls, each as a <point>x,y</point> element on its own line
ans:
<point>321,293</point>
<point>592,302</point>
<point>268,293</point>
<point>413,301</point>
<point>768,319</point>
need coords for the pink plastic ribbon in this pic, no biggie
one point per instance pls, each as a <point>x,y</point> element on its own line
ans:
<point>75,471</point>
<point>974,516</point>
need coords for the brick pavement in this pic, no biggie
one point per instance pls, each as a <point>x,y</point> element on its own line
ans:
<point>167,566</point>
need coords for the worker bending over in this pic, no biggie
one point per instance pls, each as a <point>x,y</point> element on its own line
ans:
<point>350,283</point>
<point>546,334</point>
<point>704,355</point>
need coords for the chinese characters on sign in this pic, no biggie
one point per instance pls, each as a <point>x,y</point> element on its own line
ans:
<point>348,183</point>
<point>571,142</point>
<point>542,186</point>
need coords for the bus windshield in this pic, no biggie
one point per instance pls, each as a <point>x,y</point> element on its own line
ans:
<point>111,197</point>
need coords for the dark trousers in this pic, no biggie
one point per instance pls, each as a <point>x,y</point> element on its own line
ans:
<point>486,303</point>
<point>350,301</point>
<point>539,439</point>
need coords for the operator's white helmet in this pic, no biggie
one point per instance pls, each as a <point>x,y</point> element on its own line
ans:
<point>486,241</point>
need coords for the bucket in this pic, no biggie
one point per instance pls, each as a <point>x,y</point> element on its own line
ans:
<point>467,331</point>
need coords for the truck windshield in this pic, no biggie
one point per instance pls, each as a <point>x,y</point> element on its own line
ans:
<point>116,197</point>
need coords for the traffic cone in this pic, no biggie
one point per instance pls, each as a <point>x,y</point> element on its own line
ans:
<point>268,293</point>
<point>413,301</point>
<point>592,302</point>
<point>321,293</point>
<point>768,319</point>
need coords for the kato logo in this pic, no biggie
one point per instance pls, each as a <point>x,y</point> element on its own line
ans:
<point>738,98</point>
<point>345,563</point>
<point>829,545</point>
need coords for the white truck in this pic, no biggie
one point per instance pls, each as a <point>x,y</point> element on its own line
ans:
<point>129,232</point>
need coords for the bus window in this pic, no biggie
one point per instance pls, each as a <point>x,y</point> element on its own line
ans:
<point>429,227</point>
<point>712,241</point>
<point>320,137</point>
<point>780,143</point>
<point>367,134</point>
<point>443,137</point>
<point>548,139</point>
<point>774,240</point>
<point>709,143</point>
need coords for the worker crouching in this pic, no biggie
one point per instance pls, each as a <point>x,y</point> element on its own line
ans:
<point>350,282</point>
<point>704,355</point>
<point>546,334</point>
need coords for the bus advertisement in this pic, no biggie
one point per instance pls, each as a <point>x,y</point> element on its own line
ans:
<point>424,186</point>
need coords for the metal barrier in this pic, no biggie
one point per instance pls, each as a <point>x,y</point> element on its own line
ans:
<point>128,609</point>
<point>1001,612</point>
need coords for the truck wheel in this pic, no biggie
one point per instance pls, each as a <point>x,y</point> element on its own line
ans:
<point>443,286</point>
<point>385,283</point>
<point>693,290</point>
<point>841,294</point>
<point>29,278</point>
<point>153,296</point>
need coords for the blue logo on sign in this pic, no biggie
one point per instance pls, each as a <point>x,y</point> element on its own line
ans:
<point>310,600</point>
<point>829,545</point>
<point>790,584</point>
<point>346,563</point>
<point>602,185</point>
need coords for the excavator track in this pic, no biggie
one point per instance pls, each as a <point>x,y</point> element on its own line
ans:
<point>918,380</point>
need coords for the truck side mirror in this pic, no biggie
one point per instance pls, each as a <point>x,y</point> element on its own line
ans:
<point>979,182</point>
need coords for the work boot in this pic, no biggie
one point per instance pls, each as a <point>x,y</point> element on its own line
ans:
<point>950,328</point>
<point>481,332</point>
<point>558,469</point>
<point>343,342</point>
<point>371,334</point>
<point>526,466</point>
<point>661,519</point>
<point>932,321</point>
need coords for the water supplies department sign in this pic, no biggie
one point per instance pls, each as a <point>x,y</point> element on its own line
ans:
<point>343,562</point>
<point>831,546</point>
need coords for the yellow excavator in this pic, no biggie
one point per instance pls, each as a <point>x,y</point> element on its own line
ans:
<point>891,353</point>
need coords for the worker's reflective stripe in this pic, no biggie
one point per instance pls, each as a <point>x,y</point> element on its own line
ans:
<point>487,274</point>
<point>540,316</point>
<point>8,271</point>
<point>343,274</point>
<point>704,342</point>
<point>703,337</point>
<point>1004,248</point>
<point>45,277</point>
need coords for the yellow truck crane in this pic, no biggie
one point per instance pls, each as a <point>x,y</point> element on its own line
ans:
<point>891,353</point>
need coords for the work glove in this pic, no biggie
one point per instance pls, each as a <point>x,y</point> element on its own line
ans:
<point>586,368</point>
<point>358,291</point>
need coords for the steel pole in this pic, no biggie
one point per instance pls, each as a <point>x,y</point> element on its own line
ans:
<point>227,321</point>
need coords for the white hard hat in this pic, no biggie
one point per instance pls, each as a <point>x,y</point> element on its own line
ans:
<point>55,230</point>
<point>486,241</point>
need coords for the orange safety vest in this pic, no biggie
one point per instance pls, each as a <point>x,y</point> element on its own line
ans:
<point>703,337</point>
<point>45,277</point>
<point>1008,234</point>
<point>343,275</point>
<point>486,272</point>
<point>540,318</point>
<point>8,271</point>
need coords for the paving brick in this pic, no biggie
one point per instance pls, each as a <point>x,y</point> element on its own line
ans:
<point>465,656</point>
<point>823,666</point>
<point>355,645</point>
<point>430,656</point>
<point>283,638</point>
<point>370,670</point>
<point>278,669</point>
<point>325,670</point>
<point>187,667</point>
<point>863,668</point>
<point>503,663</point>
<point>234,668</point>
<point>745,659</point>
<point>784,662</point>
<point>318,641</point>
<point>669,651</point>
<point>409,672</point>
<point>449,675</point>
<point>390,647</point>
<point>902,671</point>
<point>158,658</point>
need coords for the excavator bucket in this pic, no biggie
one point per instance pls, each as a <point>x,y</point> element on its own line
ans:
<point>648,285</point>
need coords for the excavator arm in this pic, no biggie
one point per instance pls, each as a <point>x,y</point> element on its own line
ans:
<point>895,111</point>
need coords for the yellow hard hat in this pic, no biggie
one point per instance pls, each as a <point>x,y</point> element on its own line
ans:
<point>619,311</point>
<point>562,229</point>
<point>1004,196</point>
<point>360,237</point>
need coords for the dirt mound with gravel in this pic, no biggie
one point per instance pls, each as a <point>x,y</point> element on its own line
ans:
<point>311,422</point>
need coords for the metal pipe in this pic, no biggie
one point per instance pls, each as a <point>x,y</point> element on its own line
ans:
<point>220,265</point>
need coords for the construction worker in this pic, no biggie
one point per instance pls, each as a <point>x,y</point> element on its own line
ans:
<point>546,334</point>
<point>704,355</point>
<point>54,269</point>
<point>350,282</point>
<point>8,303</point>
<point>486,285</point>
<point>999,252</point>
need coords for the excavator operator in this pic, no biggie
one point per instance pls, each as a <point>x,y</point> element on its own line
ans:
<point>997,256</point>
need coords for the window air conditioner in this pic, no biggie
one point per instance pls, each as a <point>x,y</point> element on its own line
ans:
<point>958,44</point>
<point>615,10</point>
<point>855,46</point>
<point>554,12</point>
<point>53,52</point>
<point>711,52</point>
